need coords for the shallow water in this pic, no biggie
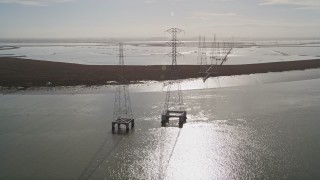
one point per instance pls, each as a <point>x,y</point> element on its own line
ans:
<point>144,53</point>
<point>255,131</point>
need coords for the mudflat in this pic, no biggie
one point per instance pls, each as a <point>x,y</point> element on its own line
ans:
<point>16,72</point>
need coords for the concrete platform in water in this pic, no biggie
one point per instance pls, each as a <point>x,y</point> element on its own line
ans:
<point>124,121</point>
<point>182,115</point>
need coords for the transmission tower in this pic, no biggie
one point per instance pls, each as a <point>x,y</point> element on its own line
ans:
<point>213,51</point>
<point>199,51</point>
<point>174,107</point>
<point>202,56</point>
<point>219,54</point>
<point>122,105</point>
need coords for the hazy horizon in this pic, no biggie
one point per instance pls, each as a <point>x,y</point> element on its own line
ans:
<point>149,18</point>
<point>183,38</point>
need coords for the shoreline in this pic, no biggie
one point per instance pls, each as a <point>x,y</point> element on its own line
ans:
<point>15,72</point>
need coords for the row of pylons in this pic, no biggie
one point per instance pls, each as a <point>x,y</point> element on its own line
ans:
<point>173,107</point>
<point>218,56</point>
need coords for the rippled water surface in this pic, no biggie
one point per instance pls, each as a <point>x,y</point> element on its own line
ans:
<point>257,131</point>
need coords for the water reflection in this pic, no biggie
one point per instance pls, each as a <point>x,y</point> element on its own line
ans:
<point>264,131</point>
<point>187,84</point>
<point>208,150</point>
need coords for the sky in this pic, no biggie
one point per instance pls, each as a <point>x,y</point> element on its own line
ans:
<point>150,18</point>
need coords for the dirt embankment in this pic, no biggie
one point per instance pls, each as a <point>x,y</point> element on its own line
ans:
<point>16,72</point>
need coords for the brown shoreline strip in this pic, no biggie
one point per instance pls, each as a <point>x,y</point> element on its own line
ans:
<point>16,72</point>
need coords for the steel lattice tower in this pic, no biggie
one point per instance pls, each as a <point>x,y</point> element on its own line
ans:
<point>219,54</point>
<point>213,58</point>
<point>174,106</point>
<point>203,54</point>
<point>122,105</point>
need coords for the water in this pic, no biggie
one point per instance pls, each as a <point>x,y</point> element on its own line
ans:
<point>154,52</point>
<point>253,131</point>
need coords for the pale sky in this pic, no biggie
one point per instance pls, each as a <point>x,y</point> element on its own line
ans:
<point>150,18</point>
